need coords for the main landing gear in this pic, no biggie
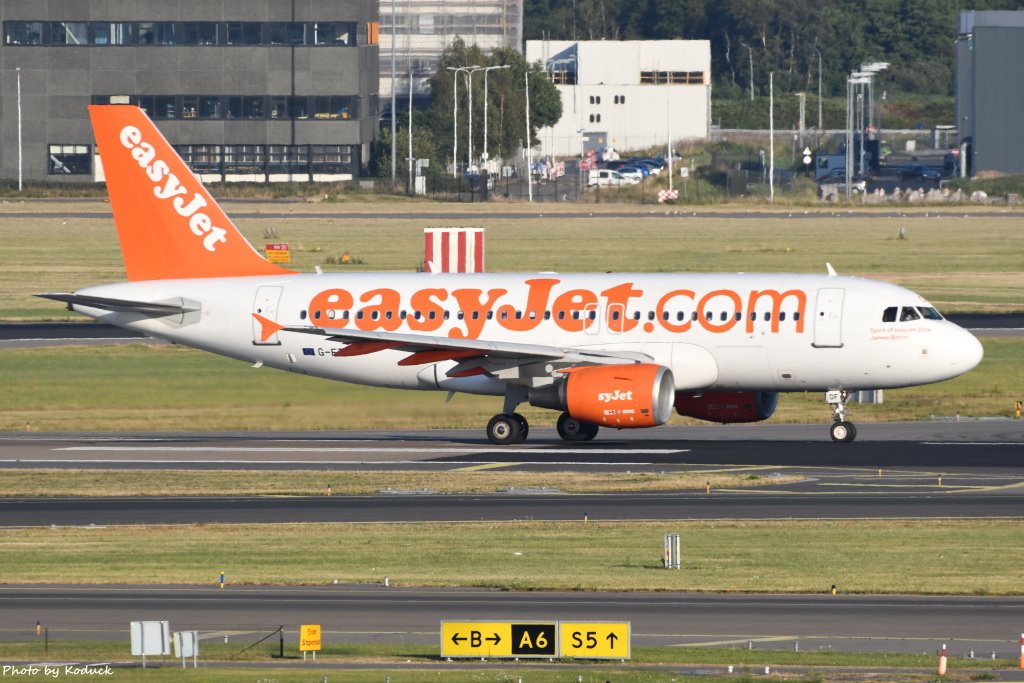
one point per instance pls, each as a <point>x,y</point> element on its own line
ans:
<point>508,428</point>
<point>571,429</point>
<point>841,430</point>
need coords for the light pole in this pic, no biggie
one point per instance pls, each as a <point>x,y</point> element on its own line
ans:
<point>394,100</point>
<point>455,116</point>
<point>486,70</point>
<point>529,145</point>
<point>412,189</point>
<point>469,79</point>
<point>18,71</point>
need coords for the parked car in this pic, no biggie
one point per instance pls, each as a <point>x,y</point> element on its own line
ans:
<point>920,171</point>
<point>615,165</point>
<point>656,164</point>
<point>632,172</point>
<point>837,177</point>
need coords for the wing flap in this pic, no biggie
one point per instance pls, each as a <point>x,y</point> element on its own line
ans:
<point>448,348</point>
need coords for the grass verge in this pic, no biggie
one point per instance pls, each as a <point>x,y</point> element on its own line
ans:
<point>170,388</point>
<point>791,556</point>
<point>58,483</point>
<point>935,258</point>
<point>383,654</point>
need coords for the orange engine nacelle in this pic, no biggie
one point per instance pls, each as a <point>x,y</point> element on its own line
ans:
<point>728,406</point>
<point>621,396</point>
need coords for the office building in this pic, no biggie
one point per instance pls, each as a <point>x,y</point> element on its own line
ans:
<point>256,90</point>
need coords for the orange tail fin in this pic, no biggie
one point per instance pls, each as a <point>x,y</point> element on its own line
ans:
<point>169,225</point>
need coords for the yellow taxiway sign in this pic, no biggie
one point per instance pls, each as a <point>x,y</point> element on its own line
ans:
<point>498,639</point>
<point>594,640</point>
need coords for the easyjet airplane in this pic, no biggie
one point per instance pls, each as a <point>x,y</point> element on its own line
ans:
<point>616,350</point>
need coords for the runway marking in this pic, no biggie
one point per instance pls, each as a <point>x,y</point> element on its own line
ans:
<point>739,641</point>
<point>971,443</point>
<point>1018,484</point>
<point>486,466</point>
<point>424,463</point>
<point>459,450</point>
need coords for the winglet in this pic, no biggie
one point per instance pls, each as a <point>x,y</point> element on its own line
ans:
<point>268,328</point>
<point>830,269</point>
<point>169,225</point>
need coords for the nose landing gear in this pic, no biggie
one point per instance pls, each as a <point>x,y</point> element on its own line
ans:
<point>841,430</point>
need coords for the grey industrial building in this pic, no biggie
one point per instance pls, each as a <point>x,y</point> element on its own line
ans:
<point>244,89</point>
<point>990,90</point>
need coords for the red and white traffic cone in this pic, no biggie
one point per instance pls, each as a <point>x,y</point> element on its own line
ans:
<point>942,661</point>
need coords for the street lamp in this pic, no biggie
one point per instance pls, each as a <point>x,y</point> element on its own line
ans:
<point>412,72</point>
<point>469,78</point>
<point>455,115</point>
<point>486,70</point>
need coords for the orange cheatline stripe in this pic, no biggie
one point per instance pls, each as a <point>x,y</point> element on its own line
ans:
<point>362,348</point>
<point>434,355</point>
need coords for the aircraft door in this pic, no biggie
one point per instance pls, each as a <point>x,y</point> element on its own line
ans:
<point>828,318</point>
<point>265,304</point>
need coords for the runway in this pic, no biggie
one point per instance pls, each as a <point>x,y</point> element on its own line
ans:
<point>374,614</point>
<point>898,470</point>
<point>981,463</point>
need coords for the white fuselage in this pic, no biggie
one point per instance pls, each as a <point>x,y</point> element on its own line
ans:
<point>764,332</point>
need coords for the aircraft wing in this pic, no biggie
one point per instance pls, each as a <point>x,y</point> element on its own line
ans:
<point>473,354</point>
<point>155,309</point>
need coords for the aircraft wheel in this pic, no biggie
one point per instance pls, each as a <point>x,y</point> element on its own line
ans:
<point>571,429</point>
<point>504,429</point>
<point>843,432</point>
<point>523,424</point>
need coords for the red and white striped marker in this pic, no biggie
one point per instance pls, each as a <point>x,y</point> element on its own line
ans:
<point>1022,651</point>
<point>942,661</point>
<point>453,250</point>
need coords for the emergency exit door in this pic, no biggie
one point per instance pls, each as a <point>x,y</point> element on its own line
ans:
<point>265,304</point>
<point>828,318</point>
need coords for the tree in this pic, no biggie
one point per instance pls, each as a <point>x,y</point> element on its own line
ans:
<point>506,101</point>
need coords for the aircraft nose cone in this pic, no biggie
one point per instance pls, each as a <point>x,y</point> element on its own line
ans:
<point>966,350</point>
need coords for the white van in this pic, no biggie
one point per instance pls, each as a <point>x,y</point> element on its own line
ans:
<point>604,177</point>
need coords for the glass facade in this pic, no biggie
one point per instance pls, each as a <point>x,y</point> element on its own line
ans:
<point>199,33</point>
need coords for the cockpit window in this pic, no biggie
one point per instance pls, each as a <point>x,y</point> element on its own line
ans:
<point>929,313</point>
<point>889,315</point>
<point>909,313</point>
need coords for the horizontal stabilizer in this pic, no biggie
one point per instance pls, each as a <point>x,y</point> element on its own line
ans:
<point>154,309</point>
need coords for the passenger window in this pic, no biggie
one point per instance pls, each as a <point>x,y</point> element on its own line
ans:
<point>909,313</point>
<point>476,315</point>
<point>782,316</point>
<point>889,315</point>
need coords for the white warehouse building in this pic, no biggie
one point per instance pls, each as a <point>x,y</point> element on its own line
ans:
<point>621,94</point>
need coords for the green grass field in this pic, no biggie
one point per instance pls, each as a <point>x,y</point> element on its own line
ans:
<point>939,556</point>
<point>960,264</point>
<point>170,388</point>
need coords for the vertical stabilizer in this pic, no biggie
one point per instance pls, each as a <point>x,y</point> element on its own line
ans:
<point>168,224</point>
